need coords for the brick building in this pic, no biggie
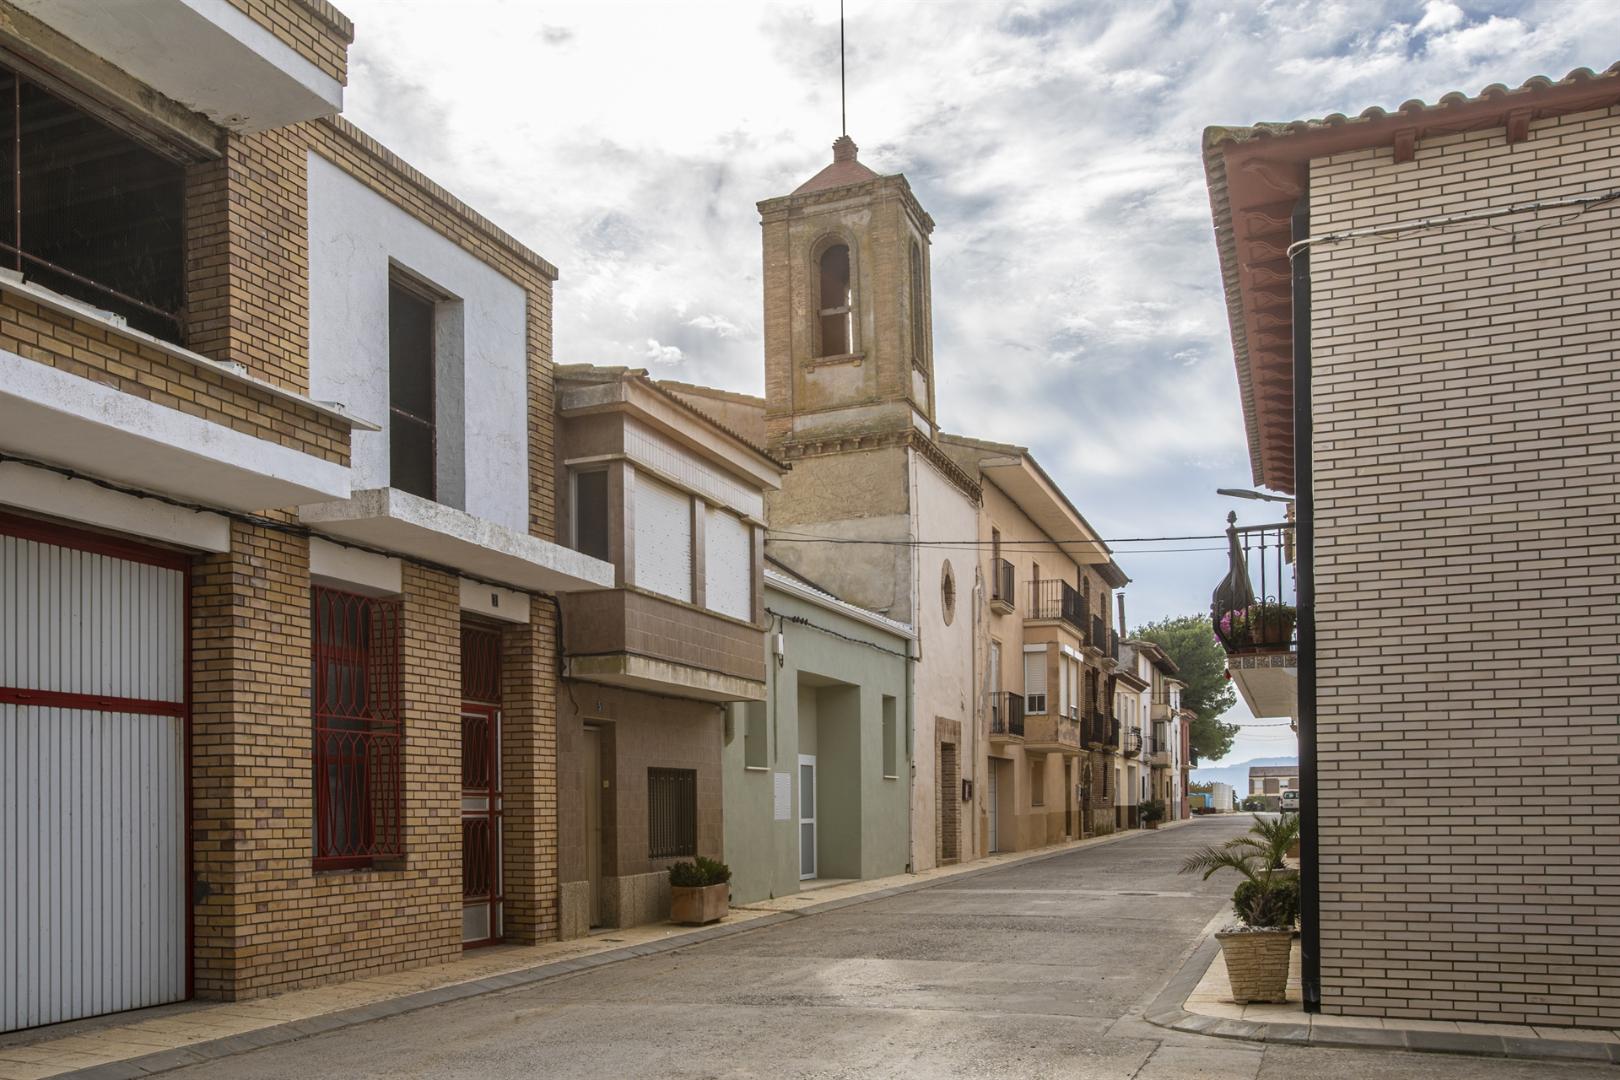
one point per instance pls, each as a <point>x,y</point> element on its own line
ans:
<point>277,526</point>
<point>675,502</point>
<point>1423,315</point>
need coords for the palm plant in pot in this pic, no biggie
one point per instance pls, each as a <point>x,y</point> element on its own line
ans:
<point>699,891</point>
<point>1266,902</point>
<point>1153,812</point>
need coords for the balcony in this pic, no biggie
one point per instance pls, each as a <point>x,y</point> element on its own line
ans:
<point>1002,598</point>
<point>1051,733</point>
<point>1159,759</point>
<point>1055,600</point>
<point>214,59</point>
<point>1098,640</point>
<point>1252,613</point>
<point>1006,717</point>
<point>641,641</point>
<point>1133,743</point>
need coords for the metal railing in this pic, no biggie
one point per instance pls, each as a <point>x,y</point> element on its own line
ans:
<point>1133,742</point>
<point>1053,599</point>
<point>1007,713</point>
<point>1099,634</point>
<point>1252,609</point>
<point>1001,582</point>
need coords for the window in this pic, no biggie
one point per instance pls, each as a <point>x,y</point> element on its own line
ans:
<point>947,592</point>
<point>837,303</point>
<point>919,321</point>
<point>357,754</point>
<point>591,513</point>
<point>88,211</point>
<point>756,750</point>
<point>728,564</point>
<point>1035,680</point>
<point>410,392</point>
<point>663,525</point>
<point>891,740</point>
<point>1037,782</point>
<point>671,813</point>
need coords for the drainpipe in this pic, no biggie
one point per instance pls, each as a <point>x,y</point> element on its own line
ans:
<point>1310,922</point>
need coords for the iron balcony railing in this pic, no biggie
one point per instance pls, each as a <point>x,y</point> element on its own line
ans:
<point>1252,609</point>
<point>1007,714</point>
<point>1133,743</point>
<point>1113,645</point>
<point>1054,599</point>
<point>1099,634</point>
<point>1001,582</point>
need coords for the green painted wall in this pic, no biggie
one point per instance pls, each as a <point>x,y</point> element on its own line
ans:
<point>825,699</point>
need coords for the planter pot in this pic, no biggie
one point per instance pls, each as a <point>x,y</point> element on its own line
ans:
<point>696,906</point>
<point>1293,850</point>
<point>1257,964</point>
<point>1153,824</point>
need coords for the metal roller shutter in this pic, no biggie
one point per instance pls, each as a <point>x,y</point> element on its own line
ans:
<point>92,776</point>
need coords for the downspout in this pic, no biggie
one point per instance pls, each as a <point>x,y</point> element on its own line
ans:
<point>1310,922</point>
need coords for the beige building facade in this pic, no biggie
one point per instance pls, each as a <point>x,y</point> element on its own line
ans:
<point>1448,317</point>
<point>1048,651</point>
<point>675,503</point>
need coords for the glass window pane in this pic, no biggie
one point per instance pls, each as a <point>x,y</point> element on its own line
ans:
<point>410,456</point>
<point>807,791</point>
<point>410,353</point>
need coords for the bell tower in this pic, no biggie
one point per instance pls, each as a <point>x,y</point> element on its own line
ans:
<point>848,327</point>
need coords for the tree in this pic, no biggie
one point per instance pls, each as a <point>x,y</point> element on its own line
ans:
<point>1190,642</point>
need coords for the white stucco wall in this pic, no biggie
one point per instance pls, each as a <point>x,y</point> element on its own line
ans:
<point>945,675</point>
<point>354,235</point>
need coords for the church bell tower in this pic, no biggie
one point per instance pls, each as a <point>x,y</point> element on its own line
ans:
<point>848,328</point>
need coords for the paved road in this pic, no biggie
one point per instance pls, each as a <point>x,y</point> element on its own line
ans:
<point>1039,970</point>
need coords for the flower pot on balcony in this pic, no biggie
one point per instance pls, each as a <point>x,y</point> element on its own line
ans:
<point>696,906</point>
<point>1257,963</point>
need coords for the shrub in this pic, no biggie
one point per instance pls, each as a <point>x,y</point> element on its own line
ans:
<point>1153,811</point>
<point>1276,904</point>
<point>699,873</point>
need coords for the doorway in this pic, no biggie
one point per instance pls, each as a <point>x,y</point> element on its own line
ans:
<point>591,790</point>
<point>480,785</point>
<point>950,805</point>
<point>807,817</point>
<point>1068,799</point>
<point>995,808</point>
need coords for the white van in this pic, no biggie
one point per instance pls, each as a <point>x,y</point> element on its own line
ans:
<point>1290,802</point>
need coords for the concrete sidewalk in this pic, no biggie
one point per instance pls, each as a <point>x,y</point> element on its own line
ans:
<point>188,1033</point>
<point>1198,1000</point>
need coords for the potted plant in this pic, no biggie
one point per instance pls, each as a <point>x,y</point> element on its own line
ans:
<point>1153,813</point>
<point>1266,902</point>
<point>699,891</point>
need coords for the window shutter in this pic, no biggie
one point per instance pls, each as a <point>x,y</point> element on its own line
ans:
<point>1035,681</point>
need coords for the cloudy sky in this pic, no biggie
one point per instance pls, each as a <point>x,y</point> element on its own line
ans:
<point>1077,305</point>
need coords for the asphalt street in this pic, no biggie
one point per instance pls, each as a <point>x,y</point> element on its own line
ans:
<point>1036,970</point>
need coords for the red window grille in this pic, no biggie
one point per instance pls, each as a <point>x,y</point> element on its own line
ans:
<point>358,760</point>
<point>481,664</point>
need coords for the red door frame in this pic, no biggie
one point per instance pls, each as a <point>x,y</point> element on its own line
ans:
<point>47,532</point>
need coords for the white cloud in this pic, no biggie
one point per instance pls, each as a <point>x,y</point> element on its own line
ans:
<point>1439,15</point>
<point>662,354</point>
<point>1077,303</point>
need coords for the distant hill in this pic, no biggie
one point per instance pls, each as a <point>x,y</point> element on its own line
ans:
<point>1236,774</point>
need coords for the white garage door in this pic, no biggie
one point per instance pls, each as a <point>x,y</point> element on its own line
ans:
<point>92,780</point>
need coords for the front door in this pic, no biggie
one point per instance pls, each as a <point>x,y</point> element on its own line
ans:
<point>480,824</point>
<point>591,784</point>
<point>807,817</point>
<point>995,807</point>
<point>1068,799</point>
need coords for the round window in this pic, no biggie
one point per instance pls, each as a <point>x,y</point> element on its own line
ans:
<point>947,591</point>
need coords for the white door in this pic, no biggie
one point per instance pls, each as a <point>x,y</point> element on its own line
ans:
<point>807,817</point>
<point>92,776</point>
<point>995,808</point>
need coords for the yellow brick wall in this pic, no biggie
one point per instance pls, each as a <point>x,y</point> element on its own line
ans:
<point>314,29</point>
<point>1466,483</point>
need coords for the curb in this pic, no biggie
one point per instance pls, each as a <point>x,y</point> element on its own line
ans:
<point>1167,1011</point>
<point>291,1031</point>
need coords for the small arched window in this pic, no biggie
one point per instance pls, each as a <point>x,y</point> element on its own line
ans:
<point>837,303</point>
<point>919,330</point>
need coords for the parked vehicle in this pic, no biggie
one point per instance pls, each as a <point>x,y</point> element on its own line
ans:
<point>1290,802</point>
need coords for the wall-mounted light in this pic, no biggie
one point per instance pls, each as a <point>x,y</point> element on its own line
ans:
<point>1245,493</point>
